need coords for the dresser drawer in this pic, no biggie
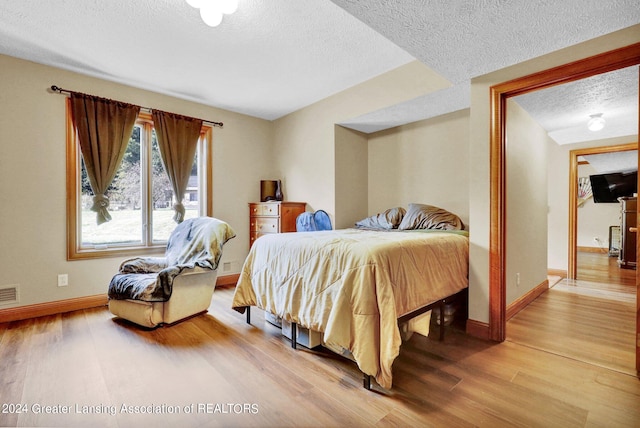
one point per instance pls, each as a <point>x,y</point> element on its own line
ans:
<point>273,217</point>
<point>269,210</point>
<point>264,224</point>
<point>255,235</point>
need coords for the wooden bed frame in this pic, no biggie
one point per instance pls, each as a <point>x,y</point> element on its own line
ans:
<point>438,304</point>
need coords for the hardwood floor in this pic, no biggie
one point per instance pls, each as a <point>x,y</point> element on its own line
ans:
<point>216,370</point>
<point>591,319</point>
<point>600,268</point>
<point>580,322</point>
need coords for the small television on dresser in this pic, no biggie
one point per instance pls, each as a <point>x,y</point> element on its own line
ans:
<point>607,188</point>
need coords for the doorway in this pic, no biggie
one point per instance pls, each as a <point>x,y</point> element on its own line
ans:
<point>574,158</point>
<point>620,58</point>
<point>593,317</point>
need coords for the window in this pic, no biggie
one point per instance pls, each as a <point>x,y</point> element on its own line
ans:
<point>140,197</point>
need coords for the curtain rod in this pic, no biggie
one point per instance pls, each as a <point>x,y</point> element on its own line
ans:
<point>148,109</point>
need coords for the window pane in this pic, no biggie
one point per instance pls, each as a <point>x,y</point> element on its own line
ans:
<point>164,198</point>
<point>192,195</point>
<point>124,203</point>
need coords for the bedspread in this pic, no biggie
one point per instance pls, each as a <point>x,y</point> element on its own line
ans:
<point>352,285</point>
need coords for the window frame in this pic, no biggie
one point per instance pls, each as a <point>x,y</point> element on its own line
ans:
<point>75,250</point>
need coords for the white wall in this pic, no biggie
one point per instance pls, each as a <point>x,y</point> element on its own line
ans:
<point>33,177</point>
<point>594,219</point>
<point>558,231</point>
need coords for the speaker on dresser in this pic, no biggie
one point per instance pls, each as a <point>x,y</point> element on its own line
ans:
<point>270,190</point>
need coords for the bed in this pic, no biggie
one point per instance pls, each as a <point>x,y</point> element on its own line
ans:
<point>353,285</point>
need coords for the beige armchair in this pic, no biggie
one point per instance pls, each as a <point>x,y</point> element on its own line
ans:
<point>151,291</point>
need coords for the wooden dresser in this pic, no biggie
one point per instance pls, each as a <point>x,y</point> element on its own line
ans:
<point>627,256</point>
<point>273,217</point>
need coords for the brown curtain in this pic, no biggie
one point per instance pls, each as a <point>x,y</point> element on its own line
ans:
<point>104,128</point>
<point>177,140</point>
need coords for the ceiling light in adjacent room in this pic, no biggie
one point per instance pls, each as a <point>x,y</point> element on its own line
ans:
<point>596,123</point>
<point>211,11</point>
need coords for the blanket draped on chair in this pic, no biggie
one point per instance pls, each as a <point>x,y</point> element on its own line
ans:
<point>195,242</point>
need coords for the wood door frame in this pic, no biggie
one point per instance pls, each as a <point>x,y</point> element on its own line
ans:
<point>598,64</point>
<point>572,270</point>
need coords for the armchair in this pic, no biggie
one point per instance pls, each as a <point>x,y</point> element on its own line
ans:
<point>150,291</point>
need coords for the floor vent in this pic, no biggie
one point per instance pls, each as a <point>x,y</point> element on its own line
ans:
<point>9,294</point>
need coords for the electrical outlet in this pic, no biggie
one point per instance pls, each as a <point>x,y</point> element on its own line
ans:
<point>63,280</point>
<point>518,279</point>
<point>226,266</point>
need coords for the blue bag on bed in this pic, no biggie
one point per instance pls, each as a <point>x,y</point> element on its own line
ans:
<point>322,220</point>
<point>305,222</point>
<point>310,222</point>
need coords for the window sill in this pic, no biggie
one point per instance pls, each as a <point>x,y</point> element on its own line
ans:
<point>90,253</point>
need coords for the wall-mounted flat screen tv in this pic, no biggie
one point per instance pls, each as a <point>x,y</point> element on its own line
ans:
<point>608,188</point>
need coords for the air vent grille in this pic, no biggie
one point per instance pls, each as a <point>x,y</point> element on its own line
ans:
<point>8,294</point>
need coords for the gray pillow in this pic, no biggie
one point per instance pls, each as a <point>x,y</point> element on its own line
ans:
<point>420,216</point>
<point>389,219</point>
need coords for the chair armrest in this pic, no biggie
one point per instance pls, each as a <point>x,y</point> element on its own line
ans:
<point>167,276</point>
<point>171,272</point>
<point>143,265</point>
<point>195,270</point>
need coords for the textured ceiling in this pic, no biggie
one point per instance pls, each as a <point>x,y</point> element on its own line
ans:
<point>273,57</point>
<point>563,111</point>
<point>614,162</point>
<point>465,39</point>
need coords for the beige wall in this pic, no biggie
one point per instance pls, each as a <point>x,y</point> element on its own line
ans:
<point>352,154</point>
<point>306,144</point>
<point>527,142</point>
<point>32,177</point>
<point>479,149</point>
<point>423,162</point>
<point>302,149</point>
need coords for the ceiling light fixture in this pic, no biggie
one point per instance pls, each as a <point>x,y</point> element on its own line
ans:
<point>211,11</point>
<point>596,123</point>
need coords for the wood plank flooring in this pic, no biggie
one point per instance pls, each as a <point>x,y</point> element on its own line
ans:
<point>577,325</point>
<point>600,268</point>
<point>591,319</point>
<point>216,370</point>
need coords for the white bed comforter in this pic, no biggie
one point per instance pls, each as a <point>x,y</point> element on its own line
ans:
<point>353,284</point>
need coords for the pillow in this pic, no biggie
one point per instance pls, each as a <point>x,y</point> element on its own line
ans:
<point>389,219</point>
<point>421,216</point>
